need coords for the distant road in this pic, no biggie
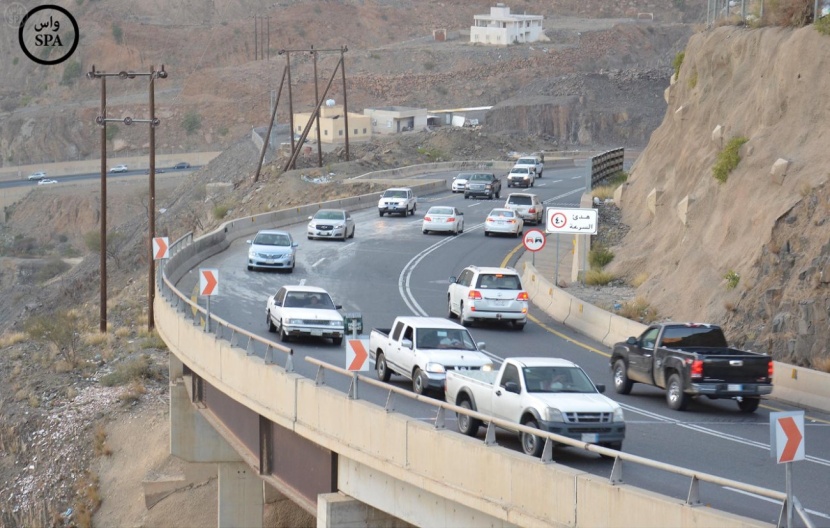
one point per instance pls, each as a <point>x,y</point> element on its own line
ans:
<point>75,178</point>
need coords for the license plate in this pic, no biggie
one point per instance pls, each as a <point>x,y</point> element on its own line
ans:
<point>324,234</point>
<point>591,438</point>
<point>498,303</point>
<point>316,332</point>
<point>734,388</point>
<point>269,261</point>
<point>500,222</point>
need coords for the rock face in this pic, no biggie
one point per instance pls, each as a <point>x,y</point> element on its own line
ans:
<point>770,229</point>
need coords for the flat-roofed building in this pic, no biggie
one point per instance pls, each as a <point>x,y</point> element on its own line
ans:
<point>333,126</point>
<point>501,27</point>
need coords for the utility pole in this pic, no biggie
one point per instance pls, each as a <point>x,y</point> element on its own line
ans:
<point>317,115</point>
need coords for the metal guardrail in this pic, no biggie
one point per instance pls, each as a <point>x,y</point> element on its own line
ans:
<point>235,335</point>
<point>696,477</point>
<point>606,165</point>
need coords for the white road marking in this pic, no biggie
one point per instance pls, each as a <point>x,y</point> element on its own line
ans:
<point>318,262</point>
<point>556,181</point>
<point>753,495</point>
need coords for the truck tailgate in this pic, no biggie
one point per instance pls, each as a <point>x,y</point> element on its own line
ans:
<point>736,369</point>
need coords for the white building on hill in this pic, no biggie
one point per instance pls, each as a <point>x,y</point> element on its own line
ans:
<point>501,28</point>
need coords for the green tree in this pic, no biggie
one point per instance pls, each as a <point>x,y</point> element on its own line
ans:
<point>117,33</point>
<point>192,122</point>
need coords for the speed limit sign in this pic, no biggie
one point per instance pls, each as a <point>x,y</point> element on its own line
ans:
<point>534,240</point>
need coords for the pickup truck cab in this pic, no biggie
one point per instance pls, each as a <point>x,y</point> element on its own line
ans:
<point>689,360</point>
<point>399,200</point>
<point>424,349</point>
<point>534,163</point>
<point>551,394</point>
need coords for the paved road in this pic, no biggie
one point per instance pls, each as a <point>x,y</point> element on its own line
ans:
<point>390,268</point>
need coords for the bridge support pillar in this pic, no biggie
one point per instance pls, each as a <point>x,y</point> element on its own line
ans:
<point>192,438</point>
<point>336,510</point>
<point>240,496</point>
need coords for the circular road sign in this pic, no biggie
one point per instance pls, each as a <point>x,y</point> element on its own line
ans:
<point>534,240</point>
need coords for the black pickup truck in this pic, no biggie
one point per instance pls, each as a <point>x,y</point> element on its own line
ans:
<point>688,360</point>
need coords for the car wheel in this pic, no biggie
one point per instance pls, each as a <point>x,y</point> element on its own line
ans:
<point>518,234</point>
<point>464,322</point>
<point>310,237</point>
<point>455,232</point>
<point>381,368</point>
<point>425,231</point>
<point>498,195</point>
<point>250,268</point>
<point>531,444</point>
<point>531,184</point>
<point>284,337</point>
<point>621,382</point>
<point>675,397</point>
<point>291,269</point>
<point>462,228</point>
<point>748,405</point>
<point>450,313</point>
<point>518,326</point>
<point>418,382</point>
<point>380,213</point>
<point>414,208</point>
<point>353,230</point>
<point>270,323</point>
<point>467,425</point>
<point>486,233</point>
<point>337,340</point>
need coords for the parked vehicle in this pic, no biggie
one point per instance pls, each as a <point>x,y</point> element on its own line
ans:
<point>483,184</point>
<point>272,249</point>
<point>331,223</point>
<point>441,218</point>
<point>503,221</point>
<point>488,294</point>
<point>534,163</point>
<point>424,349</point>
<point>459,182</point>
<point>35,176</point>
<point>550,394</point>
<point>304,311</point>
<point>689,360</point>
<point>397,201</point>
<point>520,177</point>
<point>119,168</point>
<point>527,206</point>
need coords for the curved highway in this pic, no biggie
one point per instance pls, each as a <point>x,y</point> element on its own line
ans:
<point>390,268</point>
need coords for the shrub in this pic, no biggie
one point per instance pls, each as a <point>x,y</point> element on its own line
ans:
<point>693,79</point>
<point>133,393</point>
<point>112,131</point>
<point>223,131</point>
<point>429,65</point>
<point>638,310</point>
<point>677,62</point>
<point>432,153</point>
<point>62,329</point>
<point>220,211</point>
<point>822,25</point>
<point>71,73</point>
<point>11,338</point>
<point>600,256</point>
<point>596,277</point>
<point>138,368</point>
<point>192,122</point>
<point>732,279</point>
<point>603,192</point>
<point>50,269</point>
<point>100,447</point>
<point>728,159</point>
<point>639,280</point>
<point>117,33</point>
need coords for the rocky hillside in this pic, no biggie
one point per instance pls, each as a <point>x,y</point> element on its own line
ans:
<point>751,252</point>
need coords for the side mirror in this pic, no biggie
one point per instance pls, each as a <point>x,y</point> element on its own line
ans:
<point>512,386</point>
<point>631,341</point>
<point>453,279</point>
<point>247,241</point>
<point>481,345</point>
<point>406,343</point>
<point>460,213</point>
<point>338,306</point>
<point>295,244</point>
<point>310,217</point>
<point>600,388</point>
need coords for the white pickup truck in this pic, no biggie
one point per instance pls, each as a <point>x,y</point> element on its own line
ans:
<point>534,163</point>
<point>398,200</point>
<point>551,394</point>
<point>424,349</point>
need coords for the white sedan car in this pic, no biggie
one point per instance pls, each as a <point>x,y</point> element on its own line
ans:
<point>331,223</point>
<point>504,221</point>
<point>443,218</point>
<point>459,182</point>
<point>36,176</point>
<point>119,168</point>
<point>296,311</point>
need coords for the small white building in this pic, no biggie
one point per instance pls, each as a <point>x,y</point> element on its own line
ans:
<point>501,28</point>
<point>396,119</point>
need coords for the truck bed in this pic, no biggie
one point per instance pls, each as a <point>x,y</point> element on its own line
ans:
<point>713,351</point>
<point>382,331</point>
<point>482,376</point>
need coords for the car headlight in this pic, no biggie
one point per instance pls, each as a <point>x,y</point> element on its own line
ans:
<point>618,415</point>
<point>435,368</point>
<point>487,368</point>
<point>553,415</point>
<point>295,321</point>
<point>335,323</point>
<point>340,226</point>
<point>252,254</point>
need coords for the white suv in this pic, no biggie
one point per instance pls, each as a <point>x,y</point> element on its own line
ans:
<point>488,294</point>
<point>400,200</point>
<point>527,206</point>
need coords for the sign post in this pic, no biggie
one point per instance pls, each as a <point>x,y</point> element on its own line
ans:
<point>786,431</point>
<point>208,286</point>
<point>578,221</point>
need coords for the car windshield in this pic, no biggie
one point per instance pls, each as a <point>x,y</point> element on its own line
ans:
<point>519,170</point>
<point>481,177</point>
<point>272,239</point>
<point>462,177</point>
<point>557,379</point>
<point>444,338</point>
<point>440,211</point>
<point>499,281</point>
<point>506,213</point>
<point>394,194</point>
<point>519,200</point>
<point>330,215</point>
<point>303,299</point>
<point>526,161</point>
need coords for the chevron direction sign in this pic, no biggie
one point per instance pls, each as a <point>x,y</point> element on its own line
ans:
<point>357,357</point>
<point>161,249</point>
<point>208,281</point>
<point>787,436</point>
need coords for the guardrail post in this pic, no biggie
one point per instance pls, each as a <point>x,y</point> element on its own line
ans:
<point>694,493</point>
<point>490,438</point>
<point>616,472</point>
<point>390,402</point>
<point>353,386</point>
<point>320,379</point>
<point>289,363</point>
<point>249,349</point>
<point>439,420</point>
<point>547,452</point>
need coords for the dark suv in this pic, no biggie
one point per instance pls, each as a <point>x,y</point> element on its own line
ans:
<point>483,184</point>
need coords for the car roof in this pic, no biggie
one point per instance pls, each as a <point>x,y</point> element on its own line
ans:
<point>399,189</point>
<point>493,269</point>
<point>500,209</point>
<point>429,322</point>
<point>521,194</point>
<point>544,362</point>
<point>272,232</point>
<point>441,207</point>
<point>308,289</point>
<point>330,210</point>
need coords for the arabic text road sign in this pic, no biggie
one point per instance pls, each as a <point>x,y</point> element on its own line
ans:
<point>573,221</point>
<point>357,357</point>
<point>161,249</point>
<point>208,281</point>
<point>787,436</point>
<point>534,240</point>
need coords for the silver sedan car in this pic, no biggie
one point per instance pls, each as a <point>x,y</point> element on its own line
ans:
<point>504,221</point>
<point>331,223</point>
<point>459,182</point>
<point>272,249</point>
<point>443,218</point>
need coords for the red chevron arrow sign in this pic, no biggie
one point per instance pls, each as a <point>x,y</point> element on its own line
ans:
<point>160,248</point>
<point>208,281</point>
<point>787,436</point>
<point>357,357</point>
